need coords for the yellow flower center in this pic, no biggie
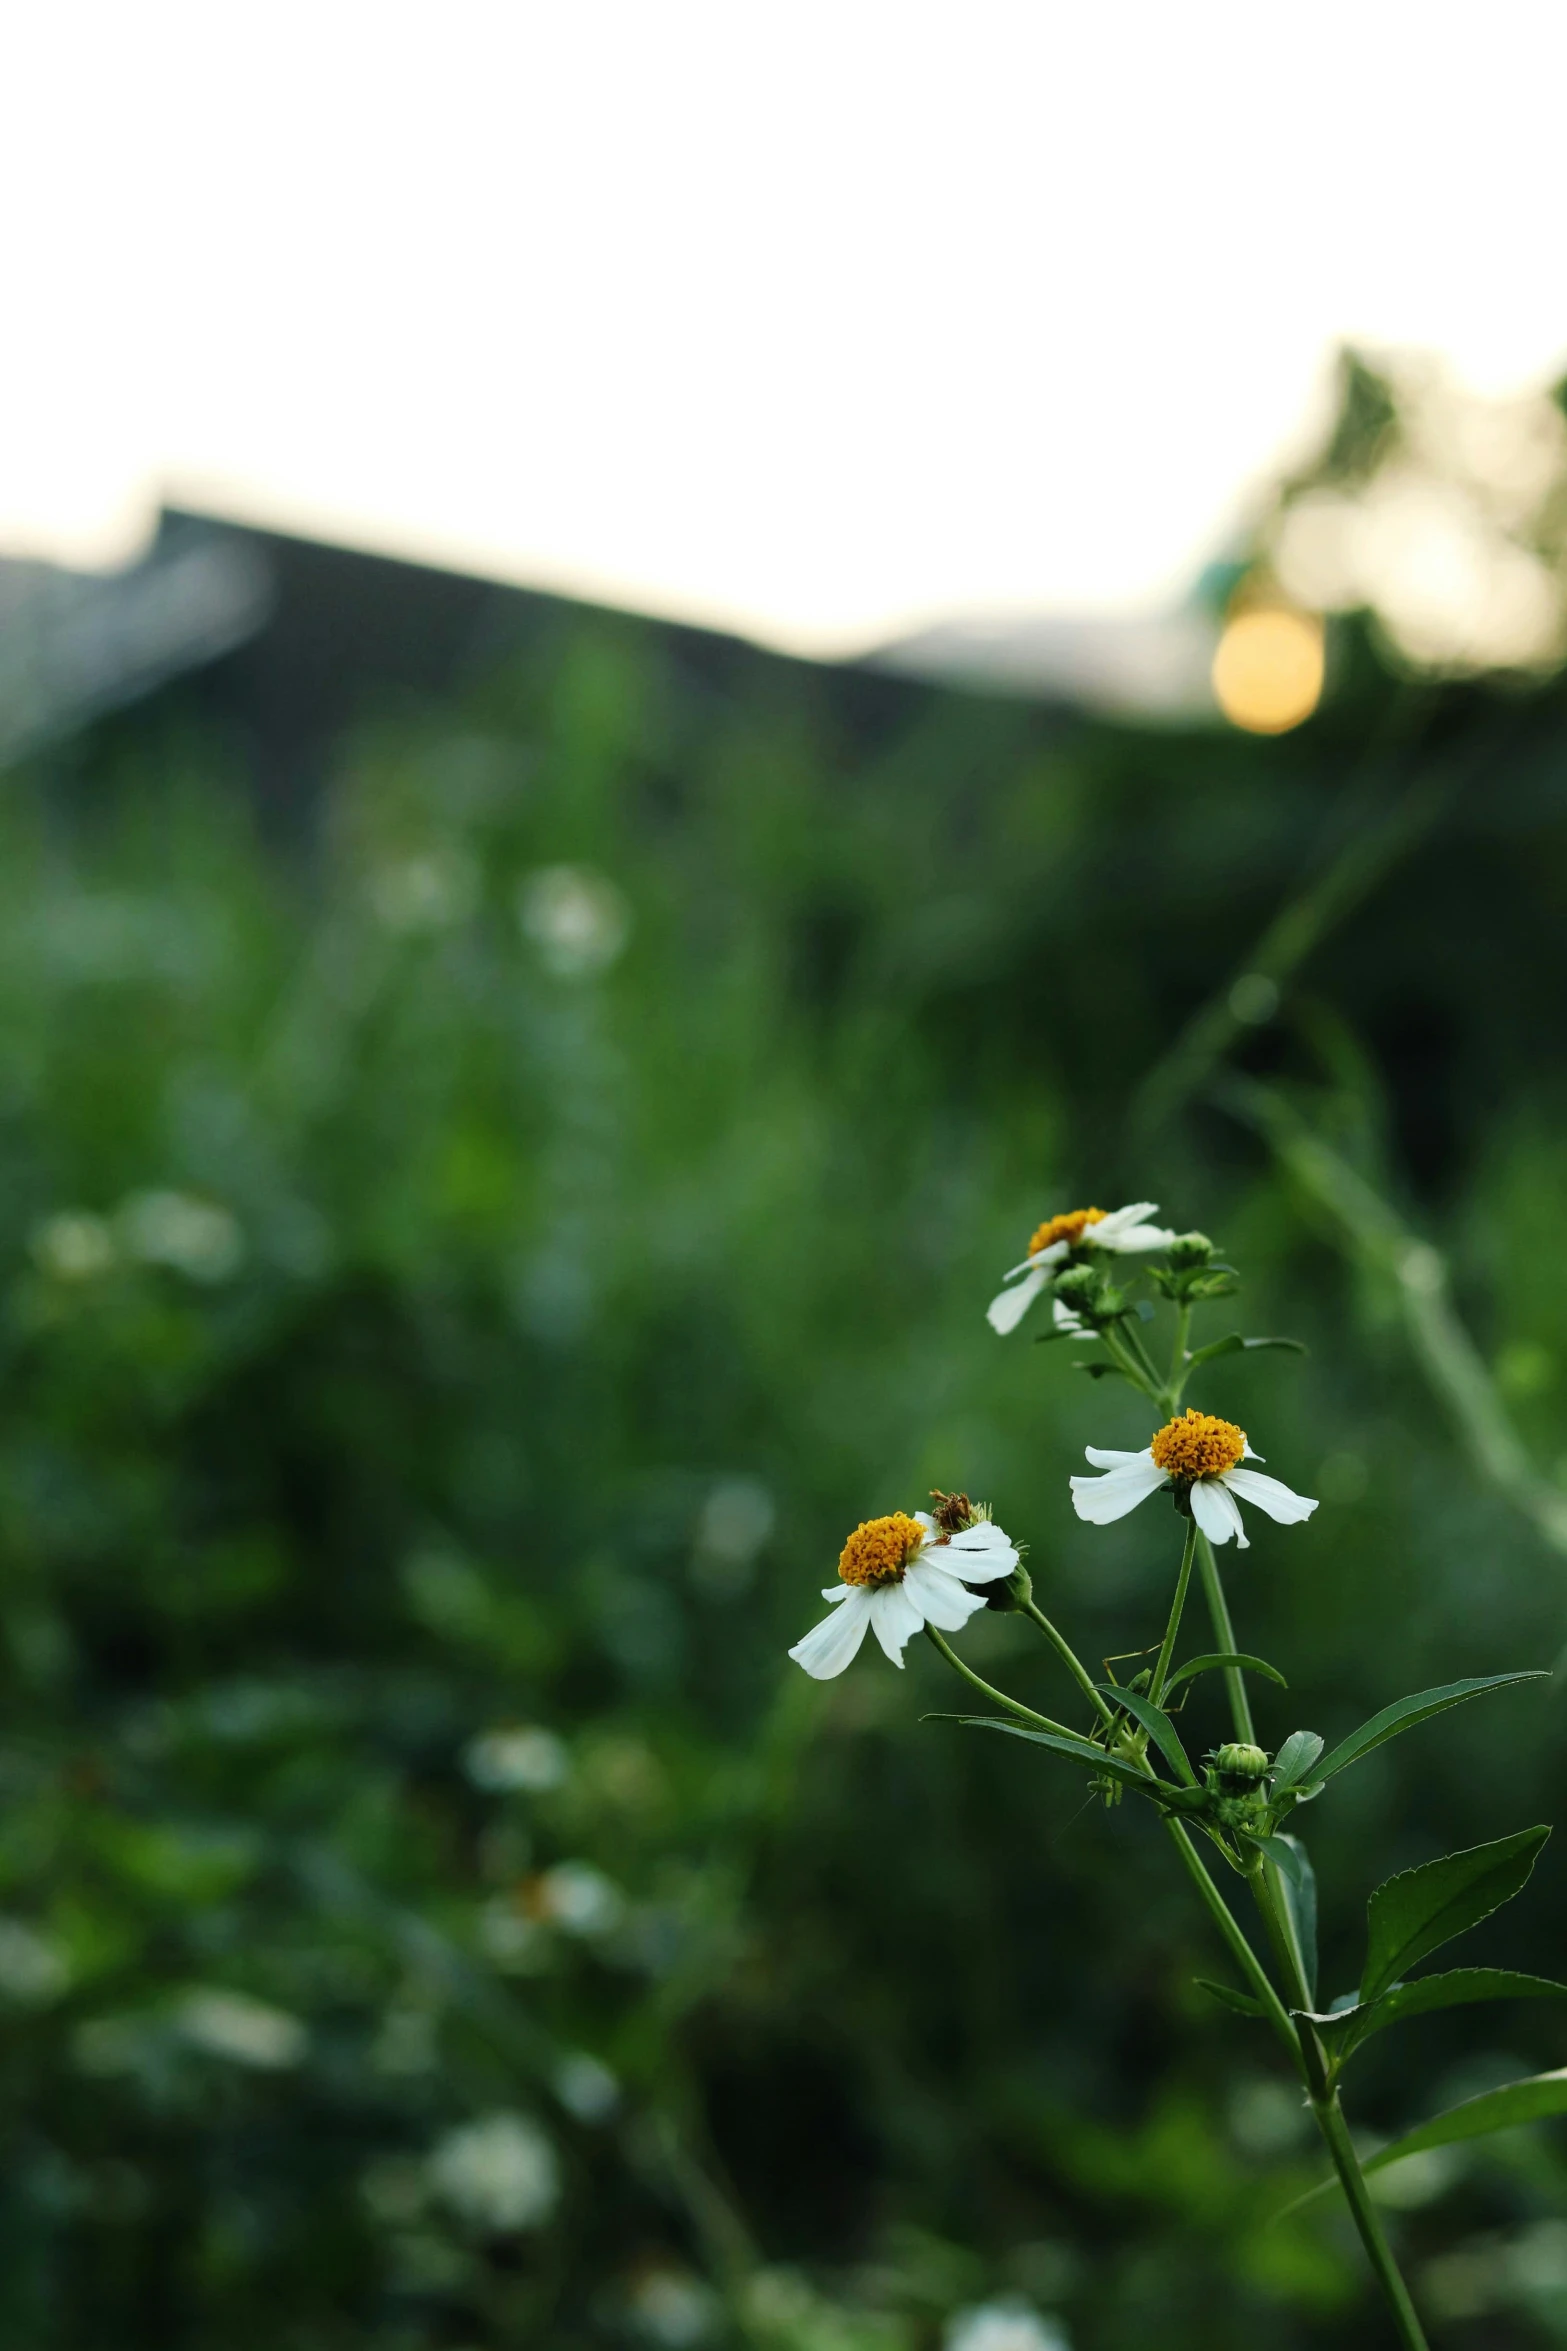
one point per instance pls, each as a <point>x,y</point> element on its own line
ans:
<point>1070,1227</point>
<point>1196,1445</point>
<point>880,1550</point>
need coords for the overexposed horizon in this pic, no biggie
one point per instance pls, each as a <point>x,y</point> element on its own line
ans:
<point>819,323</point>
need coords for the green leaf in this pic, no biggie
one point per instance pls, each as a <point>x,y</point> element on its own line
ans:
<point>1300,1897</point>
<point>1234,1344</point>
<point>1404,1713</point>
<point>1099,1371</point>
<point>1295,1758</point>
<point>1242,2002</point>
<point>1158,1726</point>
<point>1221,1660</point>
<point>1460,1987</point>
<point>1081,1751</point>
<point>1420,1909</point>
<point>1534,2099</point>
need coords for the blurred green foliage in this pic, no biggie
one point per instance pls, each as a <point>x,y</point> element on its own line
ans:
<point>460,1290</point>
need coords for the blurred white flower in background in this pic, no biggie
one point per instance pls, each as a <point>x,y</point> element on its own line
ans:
<point>579,1898</point>
<point>576,918</point>
<point>431,892</point>
<point>499,2173</point>
<point>245,2031</point>
<point>525,1758</point>
<point>586,2088</point>
<point>32,1968</point>
<point>736,1520</point>
<point>74,1246</point>
<point>1009,2325</point>
<point>194,1237</point>
<point>672,2307</point>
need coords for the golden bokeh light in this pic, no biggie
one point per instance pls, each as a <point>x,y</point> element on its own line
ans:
<point>1268,669</point>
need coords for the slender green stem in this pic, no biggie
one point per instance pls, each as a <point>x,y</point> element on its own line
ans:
<point>1224,1635</point>
<point>1279,1921</point>
<point>1069,1658</point>
<point>1335,2130</point>
<point>1117,1348</point>
<point>1041,1722</point>
<point>1177,1379</point>
<point>1167,1652</point>
<point>1229,1927</point>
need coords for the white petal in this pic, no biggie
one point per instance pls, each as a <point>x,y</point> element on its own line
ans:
<point>1250,1454</point>
<point>1217,1514</point>
<point>1119,1218</point>
<point>1065,1320</point>
<point>1271,1495</point>
<point>1100,1500</point>
<point>939,1597</point>
<point>895,1619</point>
<point>828,1646</point>
<point>1051,1256</point>
<point>1007,1309</point>
<point>1136,1237</point>
<point>922,1518</point>
<point>1106,1457</point>
<point>836,1592</point>
<point>978,1555</point>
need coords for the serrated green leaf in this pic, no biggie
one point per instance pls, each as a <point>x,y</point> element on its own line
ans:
<point>1295,1758</point>
<point>1221,1659</point>
<point>1158,1725</point>
<point>1081,1751</point>
<point>1241,2002</point>
<point>1535,2099</point>
<point>1416,1912</point>
<point>1234,1344</point>
<point>1405,1713</point>
<point>1459,1987</point>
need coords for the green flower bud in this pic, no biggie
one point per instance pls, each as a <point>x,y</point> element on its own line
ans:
<point>1188,1249</point>
<point>1080,1285</point>
<point>1239,1766</point>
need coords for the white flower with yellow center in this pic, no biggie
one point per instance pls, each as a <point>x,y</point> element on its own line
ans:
<point>897,1575</point>
<point>1122,1230</point>
<point>1194,1454</point>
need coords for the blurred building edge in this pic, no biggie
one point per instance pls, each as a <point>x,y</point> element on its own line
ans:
<point>76,644</point>
<point>1157,667</point>
<point>284,642</point>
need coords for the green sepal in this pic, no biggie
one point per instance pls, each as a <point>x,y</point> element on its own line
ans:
<point>1234,1344</point>
<point>1099,1371</point>
<point>1344,2029</point>
<point>1534,2099</point>
<point>1223,1660</point>
<point>1241,2002</point>
<point>1084,1751</point>
<point>1158,1726</point>
<point>1405,1713</point>
<point>1413,1914</point>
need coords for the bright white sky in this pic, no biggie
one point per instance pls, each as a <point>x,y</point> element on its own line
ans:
<point>820,320</point>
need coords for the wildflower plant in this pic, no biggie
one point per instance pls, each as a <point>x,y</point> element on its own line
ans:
<point>1230,1813</point>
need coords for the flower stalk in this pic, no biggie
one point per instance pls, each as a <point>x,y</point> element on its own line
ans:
<point>933,1571</point>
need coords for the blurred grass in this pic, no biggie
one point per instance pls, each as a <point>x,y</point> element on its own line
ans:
<point>467,1284</point>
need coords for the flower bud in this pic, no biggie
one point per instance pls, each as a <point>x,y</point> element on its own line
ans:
<point>1011,1592</point>
<point>1080,1285</point>
<point>1240,1766</point>
<point>1189,1249</point>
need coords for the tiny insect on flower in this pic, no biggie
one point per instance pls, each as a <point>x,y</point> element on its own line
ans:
<point>1201,1458</point>
<point>1123,1231</point>
<point>898,1574</point>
